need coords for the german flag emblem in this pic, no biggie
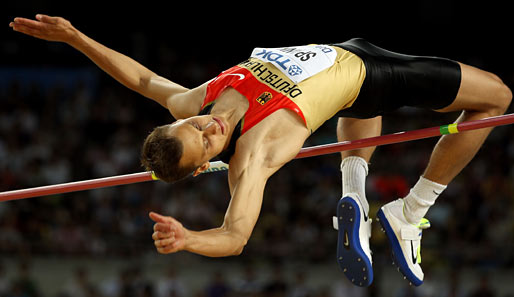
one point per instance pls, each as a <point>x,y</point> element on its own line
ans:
<point>264,97</point>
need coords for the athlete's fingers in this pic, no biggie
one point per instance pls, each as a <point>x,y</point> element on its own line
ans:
<point>163,243</point>
<point>160,227</point>
<point>26,30</point>
<point>164,250</point>
<point>47,19</point>
<point>168,249</point>
<point>21,27</point>
<point>161,235</point>
<point>24,23</point>
<point>159,218</point>
<point>165,228</point>
<point>29,27</point>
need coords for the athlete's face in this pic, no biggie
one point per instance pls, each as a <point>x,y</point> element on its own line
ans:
<point>203,137</point>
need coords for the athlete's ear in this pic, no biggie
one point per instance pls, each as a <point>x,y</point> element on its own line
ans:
<point>202,168</point>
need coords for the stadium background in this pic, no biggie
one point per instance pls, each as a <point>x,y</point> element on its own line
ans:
<point>62,119</point>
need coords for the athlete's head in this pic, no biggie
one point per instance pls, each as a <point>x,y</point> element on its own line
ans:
<point>174,151</point>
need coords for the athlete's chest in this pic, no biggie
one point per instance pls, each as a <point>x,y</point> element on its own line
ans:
<point>272,139</point>
<point>268,146</point>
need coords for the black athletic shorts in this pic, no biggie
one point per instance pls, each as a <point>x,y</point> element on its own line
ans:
<point>395,80</point>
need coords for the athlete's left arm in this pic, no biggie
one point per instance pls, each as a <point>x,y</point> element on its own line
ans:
<point>229,239</point>
<point>240,217</point>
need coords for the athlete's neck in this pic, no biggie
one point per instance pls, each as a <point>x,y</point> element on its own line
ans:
<point>231,106</point>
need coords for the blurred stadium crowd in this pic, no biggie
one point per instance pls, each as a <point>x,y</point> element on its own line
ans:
<point>61,124</point>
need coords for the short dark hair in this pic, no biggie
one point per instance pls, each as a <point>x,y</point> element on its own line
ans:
<point>161,154</point>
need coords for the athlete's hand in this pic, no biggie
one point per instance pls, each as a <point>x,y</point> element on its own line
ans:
<point>45,27</point>
<point>168,235</point>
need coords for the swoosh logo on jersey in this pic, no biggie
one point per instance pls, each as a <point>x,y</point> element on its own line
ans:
<point>241,76</point>
<point>365,216</point>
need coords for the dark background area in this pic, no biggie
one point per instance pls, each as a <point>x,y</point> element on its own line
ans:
<point>228,30</point>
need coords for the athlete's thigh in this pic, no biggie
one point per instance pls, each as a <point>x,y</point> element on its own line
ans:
<point>477,91</point>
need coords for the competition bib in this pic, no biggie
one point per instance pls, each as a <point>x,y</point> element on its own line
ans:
<point>298,62</point>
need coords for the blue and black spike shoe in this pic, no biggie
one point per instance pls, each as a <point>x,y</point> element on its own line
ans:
<point>354,231</point>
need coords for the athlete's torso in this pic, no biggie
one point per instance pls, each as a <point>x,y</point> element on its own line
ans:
<point>314,82</point>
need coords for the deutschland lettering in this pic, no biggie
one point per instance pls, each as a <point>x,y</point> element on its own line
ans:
<point>273,80</point>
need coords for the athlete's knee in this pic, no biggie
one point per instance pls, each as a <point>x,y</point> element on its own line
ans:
<point>503,97</point>
<point>499,96</point>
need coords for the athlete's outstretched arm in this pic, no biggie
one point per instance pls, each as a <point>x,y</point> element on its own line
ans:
<point>229,239</point>
<point>122,68</point>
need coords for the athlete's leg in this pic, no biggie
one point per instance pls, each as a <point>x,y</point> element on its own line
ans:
<point>353,129</point>
<point>354,227</point>
<point>354,165</point>
<point>481,94</point>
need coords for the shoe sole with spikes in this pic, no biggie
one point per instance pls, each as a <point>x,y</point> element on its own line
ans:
<point>351,257</point>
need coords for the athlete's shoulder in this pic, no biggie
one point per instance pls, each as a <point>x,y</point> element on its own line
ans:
<point>187,104</point>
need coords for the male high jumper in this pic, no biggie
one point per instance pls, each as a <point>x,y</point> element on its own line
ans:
<point>257,115</point>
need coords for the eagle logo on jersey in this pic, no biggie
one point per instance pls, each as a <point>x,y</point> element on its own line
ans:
<point>264,97</point>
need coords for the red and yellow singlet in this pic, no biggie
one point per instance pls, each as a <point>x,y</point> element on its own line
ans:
<point>314,81</point>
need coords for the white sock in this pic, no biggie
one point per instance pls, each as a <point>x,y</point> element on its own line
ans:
<point>354,171</point>
<point>420,198</point>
